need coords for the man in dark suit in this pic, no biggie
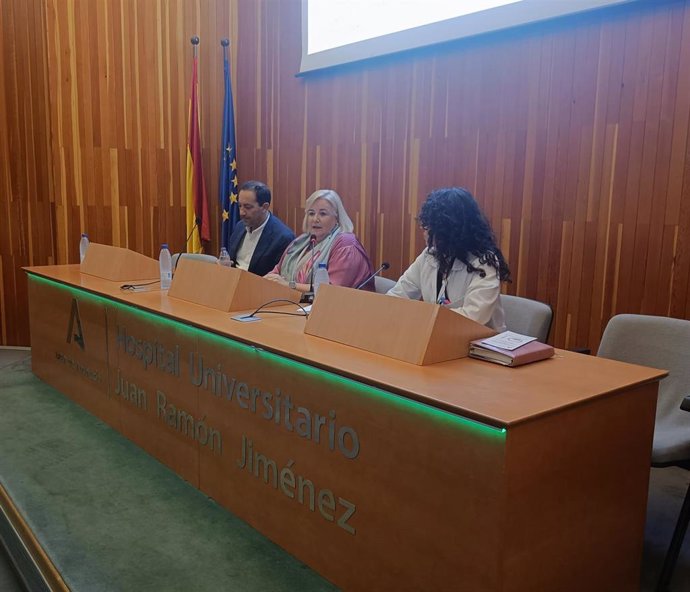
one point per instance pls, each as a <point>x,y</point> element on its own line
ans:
<point>258,240</point>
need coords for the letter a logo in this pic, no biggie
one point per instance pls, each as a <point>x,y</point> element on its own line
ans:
<point>78,335</point>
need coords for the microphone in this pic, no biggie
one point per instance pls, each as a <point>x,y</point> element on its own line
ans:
<point>312,244</point>
<point>197,221</point>
<point>385,265</point>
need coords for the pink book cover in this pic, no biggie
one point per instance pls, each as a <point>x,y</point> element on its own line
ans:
<point>525,354</point>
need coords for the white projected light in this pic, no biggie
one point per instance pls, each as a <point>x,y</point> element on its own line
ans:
<point>340,31</point>
<point>339,25</point>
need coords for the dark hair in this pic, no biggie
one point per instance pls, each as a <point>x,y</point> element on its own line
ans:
<point>261,190</point>
<point>457,229</point>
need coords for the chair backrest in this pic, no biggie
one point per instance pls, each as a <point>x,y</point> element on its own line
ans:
<point>383,284</point>
<point>527,317</point>
<point>197,256</point>
<point>658,342</point>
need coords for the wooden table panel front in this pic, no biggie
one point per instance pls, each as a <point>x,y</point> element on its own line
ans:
<point>371,486</point>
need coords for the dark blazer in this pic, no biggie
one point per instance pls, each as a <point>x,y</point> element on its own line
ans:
<point>274,240</point>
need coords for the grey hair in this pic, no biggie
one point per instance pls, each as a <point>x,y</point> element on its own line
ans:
<point>334,199</point>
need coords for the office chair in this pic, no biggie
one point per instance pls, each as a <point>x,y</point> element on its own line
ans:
<point>197,256</point>
<point>383,284</point>
<point>660,342</point>
<point>527,317</point>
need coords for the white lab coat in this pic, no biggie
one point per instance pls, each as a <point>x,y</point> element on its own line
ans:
<point>470,295</point>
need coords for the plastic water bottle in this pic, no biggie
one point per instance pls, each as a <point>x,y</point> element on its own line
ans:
<point>321,277</point>
<point>83,246</point>
<point>224,258</point>
<point>165,263</point>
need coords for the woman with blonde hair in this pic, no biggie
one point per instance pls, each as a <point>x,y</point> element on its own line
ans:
<point>327,238</point>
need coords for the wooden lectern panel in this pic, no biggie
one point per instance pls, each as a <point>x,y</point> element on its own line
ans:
<point>452,328</point>
<point>225,288</point>
<point>118,264</point>
<point>416,332</point>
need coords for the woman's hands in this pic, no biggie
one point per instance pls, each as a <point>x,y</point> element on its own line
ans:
<point>276,277</point>
<point>279,279</point>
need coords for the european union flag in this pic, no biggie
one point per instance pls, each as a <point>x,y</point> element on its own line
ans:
<point>228,188</point>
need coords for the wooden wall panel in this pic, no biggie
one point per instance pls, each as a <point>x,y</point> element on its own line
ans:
<point>572,134</point>
<point>26,178</point>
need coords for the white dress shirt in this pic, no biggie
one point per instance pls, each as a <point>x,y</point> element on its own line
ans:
<point>248,246</point>
<point>476,297</point>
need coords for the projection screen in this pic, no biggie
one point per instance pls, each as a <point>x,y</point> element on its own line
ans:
<point>336,32</point>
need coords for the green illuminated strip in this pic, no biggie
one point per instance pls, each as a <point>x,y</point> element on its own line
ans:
<point>293,365</point>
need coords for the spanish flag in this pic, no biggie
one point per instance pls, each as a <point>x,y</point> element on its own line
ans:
<point>197,204</point>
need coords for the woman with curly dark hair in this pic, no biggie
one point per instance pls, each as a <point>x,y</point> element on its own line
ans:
<point>461,267</point>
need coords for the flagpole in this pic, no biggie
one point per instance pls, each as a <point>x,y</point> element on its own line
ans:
<point>227,185</point>
<point>195,187</point>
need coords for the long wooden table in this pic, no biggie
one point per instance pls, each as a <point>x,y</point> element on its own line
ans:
<point>380,475</point>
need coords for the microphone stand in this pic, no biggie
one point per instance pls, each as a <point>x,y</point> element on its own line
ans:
<point>309,296</point>
<point>197,221</point>
<point>384,265</point>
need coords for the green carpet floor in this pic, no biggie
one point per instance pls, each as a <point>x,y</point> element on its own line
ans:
<point>113,518</point>
<point>9,581</point>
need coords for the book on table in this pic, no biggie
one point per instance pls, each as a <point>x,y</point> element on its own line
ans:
<point>510,349</point>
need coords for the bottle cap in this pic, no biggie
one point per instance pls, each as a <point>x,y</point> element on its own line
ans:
<point>322,265</point>
<point>84,235</point>
<point>164,246</point>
